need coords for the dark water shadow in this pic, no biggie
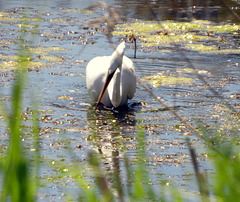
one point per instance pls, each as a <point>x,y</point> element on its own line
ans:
<point>124,114</point>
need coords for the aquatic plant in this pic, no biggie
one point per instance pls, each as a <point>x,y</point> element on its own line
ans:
<point>19,169</point>
<point>19,180</point>
<point>198,35</point>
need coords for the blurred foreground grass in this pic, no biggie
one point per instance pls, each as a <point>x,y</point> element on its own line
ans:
<point>19,171</point>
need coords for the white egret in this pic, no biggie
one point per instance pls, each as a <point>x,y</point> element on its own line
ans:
<point>111,80</point>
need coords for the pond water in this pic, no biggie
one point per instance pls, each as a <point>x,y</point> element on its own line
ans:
<point>70,127</point>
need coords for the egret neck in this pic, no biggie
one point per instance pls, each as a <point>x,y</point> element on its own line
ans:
<point>115,90</point>
<point>114,71</point>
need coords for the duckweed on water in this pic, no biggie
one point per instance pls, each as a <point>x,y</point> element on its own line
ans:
<point>197,35</point>
<point>64,97</point>
<point>17,19</point>
<point>157,80</point>
<point>7,57</point>
<point>79,11</point>
<point>6,42</point>
<point>41,53</point>
<point>52,58</point>
<point>224,29</point>
<point>153,40</point>
<point>27,26</point>
<point>45,50</point>
<point>10,65</point>
<point>201,47</point>
<point>147,27</point>
<point>166,79</point>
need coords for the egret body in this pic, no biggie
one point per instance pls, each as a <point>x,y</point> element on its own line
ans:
<point>111,80</point>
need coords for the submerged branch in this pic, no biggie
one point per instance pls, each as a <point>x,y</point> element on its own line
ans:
<point>202,183</point>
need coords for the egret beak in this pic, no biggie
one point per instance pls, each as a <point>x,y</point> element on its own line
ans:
<point>107,81</point>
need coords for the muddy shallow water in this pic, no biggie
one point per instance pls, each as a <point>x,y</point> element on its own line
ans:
<point>62,46</point>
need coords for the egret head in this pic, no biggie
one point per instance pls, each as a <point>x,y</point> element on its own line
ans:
<point>116,57</point>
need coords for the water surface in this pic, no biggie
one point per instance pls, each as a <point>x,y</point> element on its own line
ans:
<point>70,127</point>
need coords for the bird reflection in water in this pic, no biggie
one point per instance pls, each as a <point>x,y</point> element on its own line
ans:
<point>111,132</point>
